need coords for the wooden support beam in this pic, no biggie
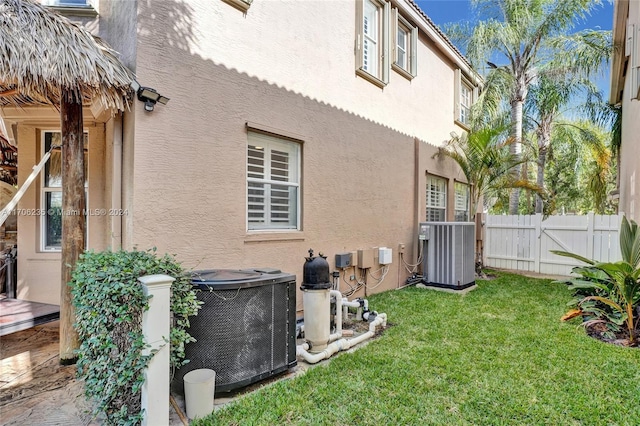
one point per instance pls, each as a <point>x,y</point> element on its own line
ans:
<point>73,215</point>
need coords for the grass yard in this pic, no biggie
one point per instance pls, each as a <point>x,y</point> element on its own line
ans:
<point>497,356</point>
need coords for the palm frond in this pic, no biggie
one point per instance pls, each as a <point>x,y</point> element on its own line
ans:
<point>43,55</point>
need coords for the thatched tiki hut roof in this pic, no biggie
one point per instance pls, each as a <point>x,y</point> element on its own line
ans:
<point>46,59</point>
<point>43,53</point>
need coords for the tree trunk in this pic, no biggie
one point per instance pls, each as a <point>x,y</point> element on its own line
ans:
<point>73,215</point>
<point>516,149</point>
<point>542,159</point>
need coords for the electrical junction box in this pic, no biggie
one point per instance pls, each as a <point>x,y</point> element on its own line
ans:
<point>343,260</point>
<point>354,259</point>
<point>365,258</point>
<point>385,255</point>
<point>424,231</point>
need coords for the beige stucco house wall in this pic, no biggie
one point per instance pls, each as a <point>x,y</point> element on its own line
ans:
<point>625,78</point>
<point>286,69</point>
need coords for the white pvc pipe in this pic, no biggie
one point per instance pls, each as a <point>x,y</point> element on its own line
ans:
<point>352,304</point>
<point>346,305</point>
<point>338,318</point>
<point>342,344</point>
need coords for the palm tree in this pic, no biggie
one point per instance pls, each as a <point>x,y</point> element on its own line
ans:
<point>581,167</point>
<point>607,116</point>
<point>598,167</point>
<point>545,109</point>
<point>485,159</point>
<point>525,33</point>
<point>566,78</point>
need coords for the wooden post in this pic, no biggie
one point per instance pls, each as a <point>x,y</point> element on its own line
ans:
<point>73,215</point>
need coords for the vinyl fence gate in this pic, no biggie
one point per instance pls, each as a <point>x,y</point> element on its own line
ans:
<point>523,242</point>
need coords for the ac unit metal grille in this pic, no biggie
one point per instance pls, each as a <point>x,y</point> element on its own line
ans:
<point>449,259</point>
<point>244,334</point>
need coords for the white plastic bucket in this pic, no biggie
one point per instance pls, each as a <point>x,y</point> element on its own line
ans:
<point>199,388</point>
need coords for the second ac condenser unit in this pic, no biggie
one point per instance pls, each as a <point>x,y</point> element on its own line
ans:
<point>449,254</point>
<point>246,328</point>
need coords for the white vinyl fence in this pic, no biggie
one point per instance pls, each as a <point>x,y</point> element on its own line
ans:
<point>523,242</point>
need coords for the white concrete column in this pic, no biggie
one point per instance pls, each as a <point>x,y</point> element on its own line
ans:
<point>155,327</point>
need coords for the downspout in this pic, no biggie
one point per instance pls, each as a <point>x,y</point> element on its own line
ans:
<point>417,202</point>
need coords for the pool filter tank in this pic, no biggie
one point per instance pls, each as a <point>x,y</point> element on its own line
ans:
<point>316,287</point>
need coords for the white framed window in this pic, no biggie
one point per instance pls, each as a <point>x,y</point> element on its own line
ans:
<point>51,191</point>
<point>372,43</point>
<point>465,96</point>
<point>628,45</point>
<point>465,103</point>
<point>67,3</point>
<point>405,45</point>
<point>436,199</point>
<point>371,40</point>
<point>461,205</point>
<point>273,183</point>
<point>634,46</point>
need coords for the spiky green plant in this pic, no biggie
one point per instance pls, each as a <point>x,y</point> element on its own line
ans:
<point>484,157</point>
<point>614,286</point>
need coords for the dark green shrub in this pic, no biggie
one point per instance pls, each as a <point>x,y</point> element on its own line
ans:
<point>109,303</point>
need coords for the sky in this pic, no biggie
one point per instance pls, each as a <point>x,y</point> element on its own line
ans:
<point>445,11</point>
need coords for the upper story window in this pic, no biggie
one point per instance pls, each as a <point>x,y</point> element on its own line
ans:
<point>371,60</point>
<point>72,3</point>
<point>405,44</point>
<point>465,96</point>
<point>372,43</point>
<point>73,8</point>
<point>273,183</point>
<point>436,199</point>
<point>465,103</point>
<point>461,209</point>
<point>632,49</point>
<point>242,5</point>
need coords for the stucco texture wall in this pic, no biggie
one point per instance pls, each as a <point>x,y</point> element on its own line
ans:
<point>630,150</point>
<point>361,181</point>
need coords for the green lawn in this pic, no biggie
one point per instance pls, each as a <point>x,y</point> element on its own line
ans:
<point>496,356</point>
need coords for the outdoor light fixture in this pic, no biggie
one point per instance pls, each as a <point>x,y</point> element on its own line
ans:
<point>149,96</point>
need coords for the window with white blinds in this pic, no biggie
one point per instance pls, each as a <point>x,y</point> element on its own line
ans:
<point>465,95</point>
<point>404,45</point>
<point>81,3</point>
<point>465,103</point>
<point>461,213</point>
<point>436,199</point>
<point>373,41</point>
<point>371,31</point>
<point>273,183</point>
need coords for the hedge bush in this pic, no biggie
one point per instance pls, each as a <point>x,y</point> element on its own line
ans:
<point>109,303</point>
